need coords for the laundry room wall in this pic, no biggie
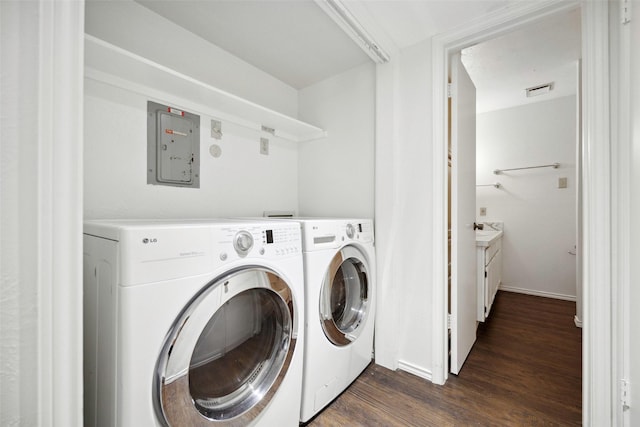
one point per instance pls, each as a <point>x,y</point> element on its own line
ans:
<point>539,218</point>
<point>336,173</point>
<point>241,182</point>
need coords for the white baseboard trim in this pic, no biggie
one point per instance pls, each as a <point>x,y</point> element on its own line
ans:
<point>577,321</point>
<point>416,370</point>
<point>538,293</point>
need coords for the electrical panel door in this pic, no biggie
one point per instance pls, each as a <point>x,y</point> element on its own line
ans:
<point>173,146</point>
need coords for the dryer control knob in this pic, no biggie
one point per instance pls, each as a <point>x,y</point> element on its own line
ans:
<point>243,242</point>
<point>351,231</point>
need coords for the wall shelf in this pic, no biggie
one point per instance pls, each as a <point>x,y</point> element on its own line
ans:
<point>112,65</point>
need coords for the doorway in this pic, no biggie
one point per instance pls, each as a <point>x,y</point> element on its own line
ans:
<point>598,392</point>
<point>526,181</point>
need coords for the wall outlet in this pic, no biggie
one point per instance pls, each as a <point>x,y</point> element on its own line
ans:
<point>562,182</point>
<point>264,146</point>
<point>483,211</point>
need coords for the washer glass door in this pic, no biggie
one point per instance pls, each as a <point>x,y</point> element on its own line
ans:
<point>344,297</point>
<point>227,352</point>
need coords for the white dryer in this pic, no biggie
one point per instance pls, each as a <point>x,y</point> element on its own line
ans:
<point>194,323</point>
<point>339,260</point>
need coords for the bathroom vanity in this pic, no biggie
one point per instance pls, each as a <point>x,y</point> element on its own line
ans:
<point>489,266</point>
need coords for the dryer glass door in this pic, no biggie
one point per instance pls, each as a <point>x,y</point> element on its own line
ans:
<point>344,297</point>
<point>228,351</point>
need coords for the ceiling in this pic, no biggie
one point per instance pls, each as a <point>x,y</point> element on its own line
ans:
<point>299,44</point>
<point>543,52</point>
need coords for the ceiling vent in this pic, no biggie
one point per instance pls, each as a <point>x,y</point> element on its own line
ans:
<point>539,90</point>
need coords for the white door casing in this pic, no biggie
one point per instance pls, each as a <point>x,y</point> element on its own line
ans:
<point>463,205</point>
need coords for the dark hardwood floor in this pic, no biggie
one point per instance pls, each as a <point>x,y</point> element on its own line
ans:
<point>524,370</point>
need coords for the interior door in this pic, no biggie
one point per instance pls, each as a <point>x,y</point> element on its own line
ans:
<point>463,206</point>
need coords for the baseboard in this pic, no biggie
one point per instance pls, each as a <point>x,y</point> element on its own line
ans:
<point>577,321</point>
<point>415,370</point>
<point>538,293</point>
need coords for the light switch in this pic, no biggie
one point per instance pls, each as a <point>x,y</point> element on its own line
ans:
<point>216,129</point>
<point>562,182</point>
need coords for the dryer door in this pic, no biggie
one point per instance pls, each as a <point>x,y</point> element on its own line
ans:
<point>227,352</point>
<point>344,297</point>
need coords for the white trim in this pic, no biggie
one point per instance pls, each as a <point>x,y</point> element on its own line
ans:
<point>342,16</point>
<point>537,293</point>
<point>59,180</point>
<point>414,369</point>
<point>597,381</point>
<point>577,321</point>
<point>621,158</point>
<point>443,45</point>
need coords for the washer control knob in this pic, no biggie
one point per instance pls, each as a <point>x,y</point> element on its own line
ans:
<point>351,231</point>
<point>243,242</point>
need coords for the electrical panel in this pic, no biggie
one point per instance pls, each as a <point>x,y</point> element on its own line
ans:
<point>173,146</point>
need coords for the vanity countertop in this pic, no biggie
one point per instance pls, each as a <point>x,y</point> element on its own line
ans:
<point>486,238</point>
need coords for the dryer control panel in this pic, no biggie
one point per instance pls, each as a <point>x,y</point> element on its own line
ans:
<point>334,233</point>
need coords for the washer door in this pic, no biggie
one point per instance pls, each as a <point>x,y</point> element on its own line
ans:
<point>344,297</point>
<point>228,351</point>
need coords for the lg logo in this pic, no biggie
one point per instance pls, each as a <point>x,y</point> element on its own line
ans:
<point>146,240</point>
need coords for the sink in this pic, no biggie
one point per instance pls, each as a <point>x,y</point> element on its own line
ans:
<point>487,237</point>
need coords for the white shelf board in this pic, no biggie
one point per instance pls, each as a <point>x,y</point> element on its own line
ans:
<point>110,64</point>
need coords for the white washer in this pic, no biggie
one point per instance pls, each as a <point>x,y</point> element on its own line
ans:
<point>194,323</point>
<point>339,261</point>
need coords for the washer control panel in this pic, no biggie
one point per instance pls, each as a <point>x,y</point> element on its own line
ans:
<point>273,240</point>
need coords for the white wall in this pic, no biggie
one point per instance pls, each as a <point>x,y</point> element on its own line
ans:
<point>403,211</point>
<point>539,218</point>
<point>242,182</point>
<point>414,191</point>
<point>336,173</point>
<point>18,218</point>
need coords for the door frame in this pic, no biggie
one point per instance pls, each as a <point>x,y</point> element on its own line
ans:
<point>598,390</point>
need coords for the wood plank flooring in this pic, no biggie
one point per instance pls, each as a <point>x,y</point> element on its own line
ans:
<point>524,370</point>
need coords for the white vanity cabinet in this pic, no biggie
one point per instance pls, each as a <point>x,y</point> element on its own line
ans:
<point>489,261</point>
